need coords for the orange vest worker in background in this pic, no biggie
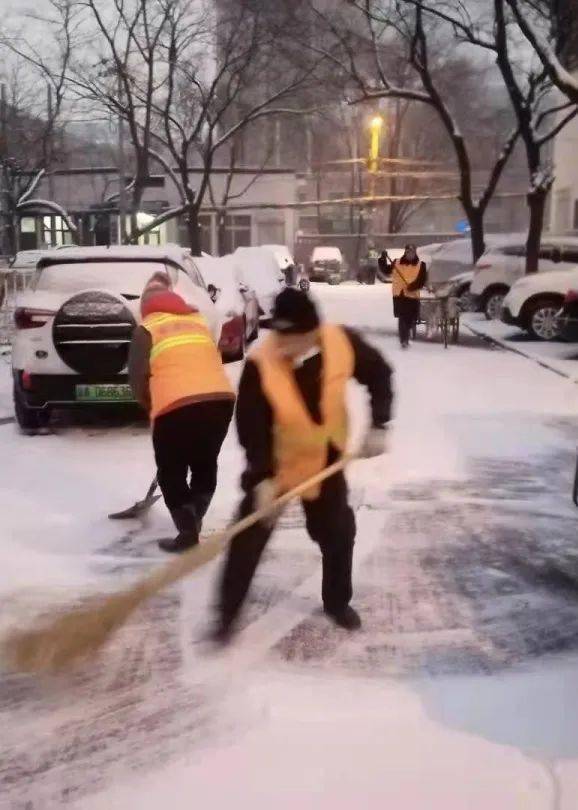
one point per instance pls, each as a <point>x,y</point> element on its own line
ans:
<point>292,423</point>
<point>177,375</point>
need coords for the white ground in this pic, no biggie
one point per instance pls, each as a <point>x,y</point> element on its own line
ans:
<point>458,693</point>
<point>557,355</point>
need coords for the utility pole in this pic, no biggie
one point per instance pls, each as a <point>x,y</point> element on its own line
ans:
<point>4,212</point>
<point>50,144</point>
<point>121,170</point>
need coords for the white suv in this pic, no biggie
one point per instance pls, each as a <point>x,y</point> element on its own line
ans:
<point>499,267</point>
<point>74,325</point>
<point>534,302</point>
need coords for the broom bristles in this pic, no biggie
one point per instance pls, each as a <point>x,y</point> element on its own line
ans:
<point>83,630</point>
<point>68,638</point>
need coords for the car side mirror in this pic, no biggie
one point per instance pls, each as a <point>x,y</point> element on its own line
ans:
<point>213,292</point>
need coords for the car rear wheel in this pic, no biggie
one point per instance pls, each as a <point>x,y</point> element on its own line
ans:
<point>494,304</point>
<point>464,298</point>
<point>30,420</point>
<point>542,319</point>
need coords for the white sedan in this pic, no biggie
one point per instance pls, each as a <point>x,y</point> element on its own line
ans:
<point>534,301</point>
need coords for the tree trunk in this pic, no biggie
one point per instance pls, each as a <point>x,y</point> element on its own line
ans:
<point>476,220</point>
<point>537,205</point>
<point>221,233</point>
<point>193,230</point>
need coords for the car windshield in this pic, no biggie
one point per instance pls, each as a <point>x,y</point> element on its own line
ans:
<point>118,277</point>
<point>326,254</point>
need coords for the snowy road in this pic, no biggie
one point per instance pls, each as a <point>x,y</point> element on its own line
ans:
<point>460,690</point>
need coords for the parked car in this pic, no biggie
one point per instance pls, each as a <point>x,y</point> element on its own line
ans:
<point>327,264</point>
<point>459,287</point>
<point>534,302</point>
<point>74,325</point>
<point>259,270</point>
<point>285,260</point>
<point>502,265</point>
<point>568,317</point>
<point>236,303</point>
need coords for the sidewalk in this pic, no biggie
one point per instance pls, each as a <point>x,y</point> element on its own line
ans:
<point>561,358</point>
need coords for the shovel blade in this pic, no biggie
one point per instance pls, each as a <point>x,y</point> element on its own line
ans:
<point>136,510</point>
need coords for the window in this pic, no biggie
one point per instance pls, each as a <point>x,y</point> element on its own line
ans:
<point>514,250</point>
<point>570,254</point>
<point>238,232</point>
<point>55,231</point>
<point>155,181</point>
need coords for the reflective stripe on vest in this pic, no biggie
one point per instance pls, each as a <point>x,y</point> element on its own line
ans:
<point>300,444</point>
<point>185,363</point>
<point>402,276</point>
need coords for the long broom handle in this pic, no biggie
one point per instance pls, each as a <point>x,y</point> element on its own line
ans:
<point>201,554</point>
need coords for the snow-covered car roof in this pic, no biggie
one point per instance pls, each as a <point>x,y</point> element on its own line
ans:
<point>326,254</point>
<point>282,254</point>
<point>121,253</point>
<point>223,272</point>
<point>550,281</point>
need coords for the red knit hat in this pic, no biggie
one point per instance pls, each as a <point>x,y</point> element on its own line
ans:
<point>165,301</point>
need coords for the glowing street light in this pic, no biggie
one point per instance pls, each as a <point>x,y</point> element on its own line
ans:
<point>375,126</point>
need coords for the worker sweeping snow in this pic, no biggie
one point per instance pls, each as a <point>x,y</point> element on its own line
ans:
<point>177,375</point>
<point>292,423</point>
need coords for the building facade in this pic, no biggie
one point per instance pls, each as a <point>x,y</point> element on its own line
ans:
<point>87,195</point>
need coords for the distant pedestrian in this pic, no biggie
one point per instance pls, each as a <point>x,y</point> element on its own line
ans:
<point>409,276</point>
<point>384,265</point>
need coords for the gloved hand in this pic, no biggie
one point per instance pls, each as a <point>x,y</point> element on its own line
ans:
<point>263,496</point>
<point>374,443</point>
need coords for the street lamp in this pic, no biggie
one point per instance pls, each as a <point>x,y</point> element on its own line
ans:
<point>375,126</point>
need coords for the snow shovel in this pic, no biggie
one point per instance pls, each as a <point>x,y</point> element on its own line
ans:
<point>82,630</point>
<point>140,507</point>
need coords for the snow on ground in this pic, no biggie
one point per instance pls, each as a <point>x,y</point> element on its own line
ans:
<point>559,356</point>
<point>459,690</point>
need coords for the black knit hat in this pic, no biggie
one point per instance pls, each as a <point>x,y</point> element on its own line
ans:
<point>294,313</point>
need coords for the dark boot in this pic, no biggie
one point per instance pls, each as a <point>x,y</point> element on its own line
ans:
<point>348,618</point>
<point>186,520</point>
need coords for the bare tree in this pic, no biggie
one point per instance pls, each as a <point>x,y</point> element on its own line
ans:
<point>387,36</point>
<point>539,119</point>
<point>31,117</point>
<point>551,28</point>
<point>229,192</point>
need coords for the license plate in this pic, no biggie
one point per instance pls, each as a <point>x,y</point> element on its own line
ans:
<point>104,393</point>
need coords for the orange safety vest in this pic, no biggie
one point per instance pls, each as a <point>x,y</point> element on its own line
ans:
<point>402,276</point>
<point>185,364</point>
<point>300,444</point>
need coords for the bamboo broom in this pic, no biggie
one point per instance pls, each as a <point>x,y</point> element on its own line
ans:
<point>81,631</point>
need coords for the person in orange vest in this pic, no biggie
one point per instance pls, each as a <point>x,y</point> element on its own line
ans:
<point>177,375</point>
<point>409,276</point>
<point>292,423</point>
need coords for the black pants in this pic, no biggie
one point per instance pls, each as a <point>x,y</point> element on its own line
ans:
<point>406,310</point>
<point>405,326</point>
<point>187,443</point>
<point>331,524</point>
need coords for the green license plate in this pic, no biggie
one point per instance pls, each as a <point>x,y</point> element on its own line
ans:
<point>104,393</point>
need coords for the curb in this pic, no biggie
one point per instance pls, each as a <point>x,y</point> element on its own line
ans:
<point>503,345</point>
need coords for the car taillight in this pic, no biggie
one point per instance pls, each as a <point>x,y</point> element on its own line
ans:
<point>26,381</point>
<point>571,297</point>
<point>483,266</point>
<point>26,318</point>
